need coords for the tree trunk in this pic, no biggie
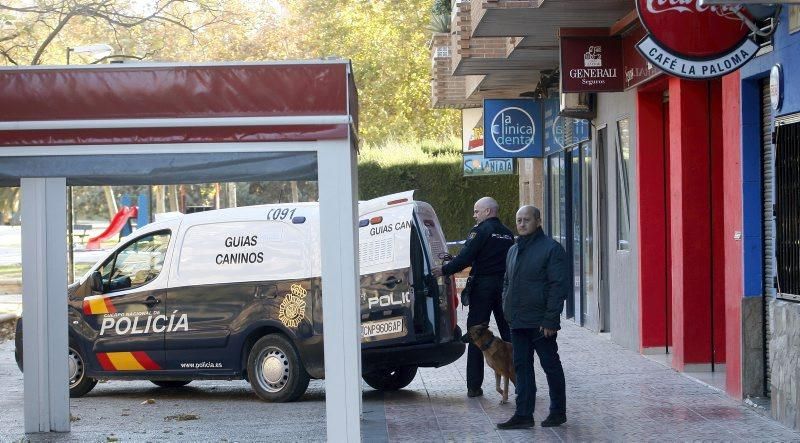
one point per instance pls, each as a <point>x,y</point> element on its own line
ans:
<point>295,192</point>
<point>231,194</point>
<point>111,202</point>
<point>159,197</point>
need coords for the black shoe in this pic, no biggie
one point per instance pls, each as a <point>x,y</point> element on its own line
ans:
<point>474,392</point>
<point>517,422</point>
<point>554,420</point>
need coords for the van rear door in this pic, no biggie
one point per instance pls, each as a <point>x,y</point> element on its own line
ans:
<point>388,279</point>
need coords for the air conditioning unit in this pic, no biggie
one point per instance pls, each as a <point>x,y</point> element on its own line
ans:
<point>577,105</point>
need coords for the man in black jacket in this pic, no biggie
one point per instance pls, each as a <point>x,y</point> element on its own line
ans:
<point>535,286</point>
<point>485,249</point>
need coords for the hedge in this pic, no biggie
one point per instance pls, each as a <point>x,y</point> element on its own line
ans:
<point>434,170</point>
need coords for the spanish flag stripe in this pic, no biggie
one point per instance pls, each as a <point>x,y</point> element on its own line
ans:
<point>146,361</point>
<point>124,361</point>
<point>87,309</point>
<point>109,306</point>
<point>105,363</point>
<point>96,305</point>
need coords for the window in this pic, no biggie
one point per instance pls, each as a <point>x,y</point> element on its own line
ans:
<point>623,148</point>
<point>442,51</point>
<point>137,264</point>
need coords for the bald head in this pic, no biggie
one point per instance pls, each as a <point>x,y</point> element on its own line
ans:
<point>529,219</point>
<point>485,207</point>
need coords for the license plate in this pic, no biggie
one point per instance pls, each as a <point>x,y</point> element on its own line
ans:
<point>382,327</point>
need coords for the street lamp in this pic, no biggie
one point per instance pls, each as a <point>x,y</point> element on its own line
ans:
<point>99,50</point>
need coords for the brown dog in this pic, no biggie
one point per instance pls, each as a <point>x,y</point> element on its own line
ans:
<point>498,354</point>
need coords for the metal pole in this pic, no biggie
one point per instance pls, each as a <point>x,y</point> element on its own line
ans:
<point>70,244</point>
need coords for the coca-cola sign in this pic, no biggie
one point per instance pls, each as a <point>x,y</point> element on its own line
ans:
<point>695,41</point>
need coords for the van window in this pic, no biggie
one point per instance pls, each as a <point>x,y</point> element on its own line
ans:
<point>137,263</point>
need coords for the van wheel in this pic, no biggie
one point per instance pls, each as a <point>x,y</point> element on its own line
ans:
<point>79,383</point>
<point>391,379</point>
<point>275,370</point>
<point>170,383</point>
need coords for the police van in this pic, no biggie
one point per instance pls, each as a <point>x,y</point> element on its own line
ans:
<point>236,294</point>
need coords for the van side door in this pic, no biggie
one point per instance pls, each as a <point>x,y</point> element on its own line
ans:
<point>128,317</point>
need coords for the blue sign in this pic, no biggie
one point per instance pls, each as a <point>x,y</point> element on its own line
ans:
<point>561,132</point>
<point>477,165</point>
<point>512,128</point>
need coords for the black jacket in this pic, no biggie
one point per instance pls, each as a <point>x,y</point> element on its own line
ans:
<point>486,248</point>
<point>536,283</point>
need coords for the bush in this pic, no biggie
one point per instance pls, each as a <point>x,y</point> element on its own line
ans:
<point>434,170</point>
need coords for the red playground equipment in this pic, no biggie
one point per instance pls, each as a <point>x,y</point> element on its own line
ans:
<point>117,223</point>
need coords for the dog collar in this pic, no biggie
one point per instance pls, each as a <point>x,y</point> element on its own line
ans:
<point>487,345</point>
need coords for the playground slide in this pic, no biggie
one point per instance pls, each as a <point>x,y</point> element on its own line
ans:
<point>120,219</point>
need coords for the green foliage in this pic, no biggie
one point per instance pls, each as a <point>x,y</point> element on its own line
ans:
<point>440,23</point>
<point>441,7</point>
<point>433,168</point>
<point>387,42</point>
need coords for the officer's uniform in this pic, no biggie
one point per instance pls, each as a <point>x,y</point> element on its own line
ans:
<point>486,248</point>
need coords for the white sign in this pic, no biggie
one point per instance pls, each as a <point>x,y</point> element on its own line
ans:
<point>775,87</point>
<point>697,69</point>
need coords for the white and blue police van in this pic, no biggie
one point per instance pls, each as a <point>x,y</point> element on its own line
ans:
<point>236,294</point>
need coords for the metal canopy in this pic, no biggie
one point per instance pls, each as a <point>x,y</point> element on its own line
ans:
<point>167,123</point>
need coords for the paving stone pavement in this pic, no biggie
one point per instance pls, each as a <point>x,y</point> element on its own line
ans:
<point>612,395</point>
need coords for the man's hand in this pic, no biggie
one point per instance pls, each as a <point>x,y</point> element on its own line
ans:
<point>547,332</point>
<point>437,271</point>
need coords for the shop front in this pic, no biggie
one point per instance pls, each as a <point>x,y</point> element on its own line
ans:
<point>769,140</point>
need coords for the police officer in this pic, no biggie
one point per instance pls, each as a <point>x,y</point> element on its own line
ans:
<point>486,248</point>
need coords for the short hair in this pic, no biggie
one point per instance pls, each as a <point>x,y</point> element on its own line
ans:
<point>489,203</point>
<point>537,214</point>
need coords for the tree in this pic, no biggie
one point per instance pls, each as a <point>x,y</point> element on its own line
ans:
<point>36,32</point>
<point>388,44</point>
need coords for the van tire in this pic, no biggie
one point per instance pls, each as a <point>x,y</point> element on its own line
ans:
<point>79,383</point>
<point>275,370</point>
<point>170,383</point>
<point>391,379</point>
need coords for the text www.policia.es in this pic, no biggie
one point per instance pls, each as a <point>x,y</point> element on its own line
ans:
<point>200,365</point>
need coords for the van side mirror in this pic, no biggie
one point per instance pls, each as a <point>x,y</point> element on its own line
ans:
<point>96,282</point>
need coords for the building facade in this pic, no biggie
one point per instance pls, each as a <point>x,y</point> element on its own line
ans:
<point>665,205</point>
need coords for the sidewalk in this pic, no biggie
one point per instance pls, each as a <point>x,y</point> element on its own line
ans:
<point>612,395</point>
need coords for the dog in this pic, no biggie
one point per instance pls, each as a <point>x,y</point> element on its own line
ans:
<point>498,354</point>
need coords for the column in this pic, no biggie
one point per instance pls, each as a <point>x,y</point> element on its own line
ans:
<point>44,301</point>
<point>691,230</point>
<point>338,185</point>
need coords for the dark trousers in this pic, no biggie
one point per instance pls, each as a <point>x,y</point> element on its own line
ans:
<point>525,342</point>
<point>486,298</point>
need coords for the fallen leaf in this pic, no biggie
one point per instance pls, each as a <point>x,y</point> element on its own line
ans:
<point>149,401</point>
<point>181,417</point>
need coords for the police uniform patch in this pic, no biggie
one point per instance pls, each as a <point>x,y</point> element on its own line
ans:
<point>471,236</point>
<point>293,307</point>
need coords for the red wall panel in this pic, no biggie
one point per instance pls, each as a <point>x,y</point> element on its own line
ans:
<point>732,182</point>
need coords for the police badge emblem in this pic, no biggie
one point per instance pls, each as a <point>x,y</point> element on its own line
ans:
<point>293,307</point>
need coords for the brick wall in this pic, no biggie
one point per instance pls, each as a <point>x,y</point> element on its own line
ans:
<point>447,90</point>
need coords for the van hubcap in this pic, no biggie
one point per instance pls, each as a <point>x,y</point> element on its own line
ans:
<point>74,367</point>
<point>274,370</point>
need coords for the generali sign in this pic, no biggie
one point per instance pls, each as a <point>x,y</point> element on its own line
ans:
<point>693,41</point>
<point>591,64</point>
